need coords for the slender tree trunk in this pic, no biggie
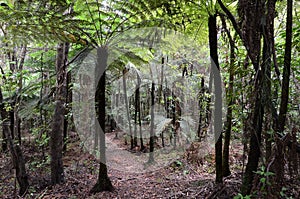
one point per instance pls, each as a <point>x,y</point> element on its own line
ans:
<point>201,108</point>
<point>56,138</point>
<point>226,167</point>
<point>4,118</point>
<point>127,108</point>
<point>255,139</point>
<point>103,182</point>
<point>213,45</point>
<point>118,96</point>
<point>173,105</point>
<point>68,110</point>
<point>279,156</point>
<point>287,68</point>
<point>17,120</point>
<point>151,154</point>
<point>160,94</point>
<point>136,110</point>
<point>139,112</point>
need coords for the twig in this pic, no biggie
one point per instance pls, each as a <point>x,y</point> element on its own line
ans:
<point>42,194</point>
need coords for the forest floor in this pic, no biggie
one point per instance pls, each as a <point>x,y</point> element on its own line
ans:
<point>184,178</point>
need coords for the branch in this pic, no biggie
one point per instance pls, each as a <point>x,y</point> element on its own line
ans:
<point>233,21</point>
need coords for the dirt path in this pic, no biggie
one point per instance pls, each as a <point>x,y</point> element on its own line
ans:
<point>180,180</point>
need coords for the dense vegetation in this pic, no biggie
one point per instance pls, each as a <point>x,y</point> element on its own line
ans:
<point>150,86</point>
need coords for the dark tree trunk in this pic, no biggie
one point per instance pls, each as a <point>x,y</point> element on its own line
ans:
<point>15,150</point>
<point>268,41</point>
<point>103,182</point>
<point>4,139</point>
<point>255,139</point>
<point>286,69</point>
<point>5,123</point>
<point>160,94</point>
<point>213,45</point>
<point>136,109</point>
<point>202,108</point>
<point>139,116</point>
<point>12,121</point>
<point>226,167</point>
<point>251,13</point>
<point>56,138</point>
<point>151,154</point>
<point>173,105</point>
<point>279,156</point>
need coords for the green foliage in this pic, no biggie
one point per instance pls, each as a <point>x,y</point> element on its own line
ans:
<point>264,178</point>
<point>240,196</point>
<point>41,137</point>
<point>283,193</point>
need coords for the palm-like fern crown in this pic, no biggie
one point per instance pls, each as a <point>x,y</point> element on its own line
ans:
<point>94,20</point>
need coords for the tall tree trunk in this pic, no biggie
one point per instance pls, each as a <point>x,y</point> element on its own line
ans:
<point>118,99</point>
<point>173,105</point>
<point>139,116</point>
<point>201,101</point>
<point>251,13</point>
<point>136,108</point>
<point>56,138</point>
<point>287,68</point>
<point>68,110</point>
<point>127,107</point>
<point>225,165</point>
<point>255,139</point>
<point>160,94</point>
<point>4,117</point>
<point>103,182</point>
<point>151,154</point>
<point>279,156</point>
<point>213,45</point>
<point>268,41</point>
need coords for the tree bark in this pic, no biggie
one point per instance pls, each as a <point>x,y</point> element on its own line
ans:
<point>268,41</point>
<point>151,154</point>
<point>225,165</point>
<point>287,68</point>
<point>4,118</point>
<point>139,117</point>
<point>137,111</point>
<point>213,45</point>
<point>103,182</point>
<point>279,156</point>
<point>56,138</point>
<point>127,107</point>
<point>68,109</point>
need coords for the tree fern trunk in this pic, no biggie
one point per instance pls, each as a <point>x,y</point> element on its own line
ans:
<point>103,182</point>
